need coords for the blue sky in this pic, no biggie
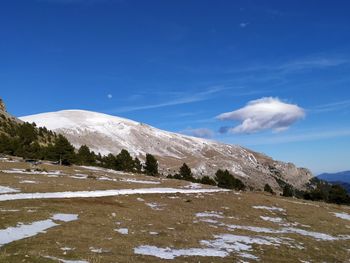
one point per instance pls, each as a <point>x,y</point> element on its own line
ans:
<point>177,65</point>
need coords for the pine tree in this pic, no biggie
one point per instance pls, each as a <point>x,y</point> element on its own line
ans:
<point>338,195</point>
<point>125,161</point>
<point>109,161</point>
<point>85,156</point>
<point>137,165</point>
<point>27,133</point>
<point>63,150</point>
<point>267,188</point>
<point>186,173</point>
<point>151,165</point>
<point>287,191</point>
<point>207,180</point>
<point>227,180</point>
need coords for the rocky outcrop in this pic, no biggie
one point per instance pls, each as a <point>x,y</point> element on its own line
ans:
<point>2,106</point>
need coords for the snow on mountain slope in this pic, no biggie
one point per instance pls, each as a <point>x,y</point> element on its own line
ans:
<point>109,134</point>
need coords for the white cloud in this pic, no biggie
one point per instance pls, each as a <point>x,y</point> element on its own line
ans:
<point>200,132</point>
<point>334,106</point>
<point>295,66</point>
<point>243,25</point>
<point>109,96</point>
<point>263,114</point>
<point>186,98</point>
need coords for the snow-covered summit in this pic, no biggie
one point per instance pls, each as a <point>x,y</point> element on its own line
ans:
<point>75,118</point>
<point>110,134</point>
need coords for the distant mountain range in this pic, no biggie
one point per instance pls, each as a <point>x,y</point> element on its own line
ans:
<point>336,177</point>
<point>342,178</point>
<point>110,134</point>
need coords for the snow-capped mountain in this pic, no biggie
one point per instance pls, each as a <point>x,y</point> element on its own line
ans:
<point>109,134</point>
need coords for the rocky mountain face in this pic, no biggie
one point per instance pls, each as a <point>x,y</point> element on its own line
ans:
<point>109,134</point>
<point>2,106</point>
<point>5,117</point>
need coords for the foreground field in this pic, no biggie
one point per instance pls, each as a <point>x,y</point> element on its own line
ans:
<point>86,214</point>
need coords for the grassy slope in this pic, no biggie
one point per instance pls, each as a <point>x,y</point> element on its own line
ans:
<point>98,217</point>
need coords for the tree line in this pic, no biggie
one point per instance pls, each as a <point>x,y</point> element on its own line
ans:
<point>222,179</point>
<point>317,190</point>
<point>27,141</point>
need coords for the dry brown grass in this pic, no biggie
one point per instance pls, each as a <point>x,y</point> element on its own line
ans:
<point>98,217</point>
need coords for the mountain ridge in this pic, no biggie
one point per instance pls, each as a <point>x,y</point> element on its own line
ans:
<point>337,176</point>
<point>109,134</point>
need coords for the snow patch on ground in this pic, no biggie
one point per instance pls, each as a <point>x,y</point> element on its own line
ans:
<point>222,246</point>
<point>193,186</point>
<point>210,214</point>
<point>342,215</point>
<point>65,217</point>
<point>9,210</point>
<point>155,206</point>
<point>22,231</point>
<point>79,176</point>
<point>123,231</point>
<point>272,219</point>
<point>66,260</point>
<point>289,230</point>
<point>269,208</point>
<point>23,171</point>
<point>28,182</point>
<point>104,193</point>
<point>5,189</point>
<point>139,181</point>
<point>98,250</point>
<point>100,169</point>
<point>169,253</point>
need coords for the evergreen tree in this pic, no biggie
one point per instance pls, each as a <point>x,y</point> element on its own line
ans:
<point>6,144</point>
<point>63,150</point>
<point>109,161</point>
<point>151,165</point>
<point>185,173</point>
<point>85,156</point>
<point>338,195</point>
<point>207,180</point>
<point>227,180</point>
<point>137,165</point>
<point>267,188</point>
<point>27,133</point>
<point>288,191</point>
<point>125,161</point>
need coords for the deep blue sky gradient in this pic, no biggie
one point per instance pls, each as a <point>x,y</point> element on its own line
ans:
<point>178,64</point>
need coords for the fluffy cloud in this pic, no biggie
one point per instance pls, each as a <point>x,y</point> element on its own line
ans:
<point>263,114</point>
<point>200,132</point>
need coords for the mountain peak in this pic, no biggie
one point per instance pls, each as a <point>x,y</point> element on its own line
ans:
<point>110,134</point>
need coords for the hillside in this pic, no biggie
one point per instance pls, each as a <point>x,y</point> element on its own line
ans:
<point>51,213</point>
<point>6,119</point>
<point>24,139</point>
<point>110,134</point>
